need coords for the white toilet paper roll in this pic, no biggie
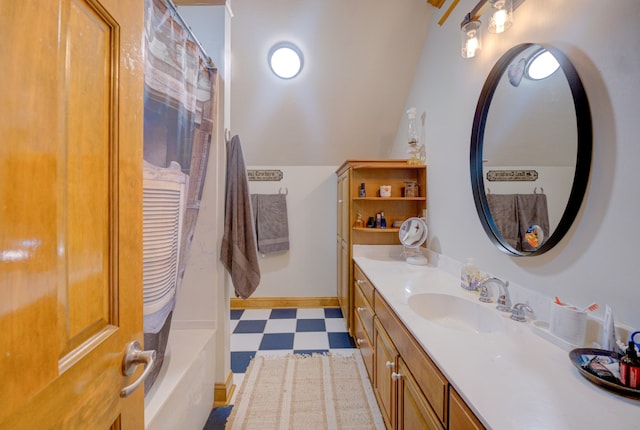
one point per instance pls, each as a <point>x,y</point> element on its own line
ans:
<point>568,323</point>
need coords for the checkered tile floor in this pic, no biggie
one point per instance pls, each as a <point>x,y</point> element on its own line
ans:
<point>285,331</point>
<point>280,332</point>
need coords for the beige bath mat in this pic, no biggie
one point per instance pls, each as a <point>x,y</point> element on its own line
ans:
<point>306,392</point>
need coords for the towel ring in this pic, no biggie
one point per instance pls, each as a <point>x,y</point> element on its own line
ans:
<point>286,191</point>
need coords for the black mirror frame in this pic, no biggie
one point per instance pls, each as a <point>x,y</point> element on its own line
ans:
<point>583,156</point>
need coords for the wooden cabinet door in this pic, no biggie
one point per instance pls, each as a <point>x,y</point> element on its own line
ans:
<point>364,343</point>
<point>460,416</point>
<point>386,358</point>
<point>342,249</point>
<point>344,290</point>
<point>70,212</point>
<point>344,200</point>
<point>414,411</point>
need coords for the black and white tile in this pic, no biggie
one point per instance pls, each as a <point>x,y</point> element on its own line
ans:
<point>281,332</point>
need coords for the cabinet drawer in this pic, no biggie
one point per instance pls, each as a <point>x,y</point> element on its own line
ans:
<point>429,378</point>
<point>364,310</point>
<point>364,343</point>
<point>364,284</point>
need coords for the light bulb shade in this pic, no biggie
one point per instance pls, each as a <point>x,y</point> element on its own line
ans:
<point>471,41</point>
<point>501,16</point>
<point>541,65</point>
<point>285,60</point>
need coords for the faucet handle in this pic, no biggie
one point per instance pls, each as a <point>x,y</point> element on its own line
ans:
<point>485,297</point>
<point>504,300</point>
<point>518,312</point>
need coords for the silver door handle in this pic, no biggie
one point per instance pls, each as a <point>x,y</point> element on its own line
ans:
<point>133,356</point>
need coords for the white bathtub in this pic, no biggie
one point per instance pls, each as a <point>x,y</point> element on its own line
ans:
<point>182,396</point>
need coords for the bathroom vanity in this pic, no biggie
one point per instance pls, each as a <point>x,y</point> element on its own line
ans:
<point>440,359</point>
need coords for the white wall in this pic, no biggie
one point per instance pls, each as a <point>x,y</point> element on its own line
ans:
<point>208,25</point>
<point>598,259</point>
<point>308,269</point>
<point>359,58</point>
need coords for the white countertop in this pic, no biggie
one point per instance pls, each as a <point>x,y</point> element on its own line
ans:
<point>512,379</point>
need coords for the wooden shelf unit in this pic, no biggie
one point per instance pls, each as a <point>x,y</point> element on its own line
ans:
<point>373,173</point>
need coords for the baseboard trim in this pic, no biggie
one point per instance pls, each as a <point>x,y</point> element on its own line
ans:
<point>284,302</point>
<point>223,392</point>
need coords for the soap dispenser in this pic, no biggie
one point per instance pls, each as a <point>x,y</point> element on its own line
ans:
<point>469,275</point>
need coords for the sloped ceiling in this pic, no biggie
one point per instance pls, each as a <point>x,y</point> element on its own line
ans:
<point>359,61</point>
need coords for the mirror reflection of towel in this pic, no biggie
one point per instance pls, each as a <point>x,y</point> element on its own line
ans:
<point>504,211</point>
<point>272,226</point>
<point>515,213</point>
<point>532,210</point>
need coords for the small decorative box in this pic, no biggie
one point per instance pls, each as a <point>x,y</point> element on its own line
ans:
<point>411,189</point>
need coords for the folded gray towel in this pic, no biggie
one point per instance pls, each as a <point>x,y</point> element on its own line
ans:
<point>504,211</point>
<point>272,226</point>
<point>532,210</point>
<point>514,214</point>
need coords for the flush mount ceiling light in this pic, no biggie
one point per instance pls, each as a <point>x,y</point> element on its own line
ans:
<point>285,60</point>
<point>541,65</point>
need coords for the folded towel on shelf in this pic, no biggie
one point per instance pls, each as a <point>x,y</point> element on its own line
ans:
<point>272,226</point>
<point>238,252</point>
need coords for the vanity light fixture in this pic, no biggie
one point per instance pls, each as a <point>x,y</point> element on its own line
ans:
<point>471,42</point>
<point>285,60</point>
<point>500,20</point>
<point>501,16</point>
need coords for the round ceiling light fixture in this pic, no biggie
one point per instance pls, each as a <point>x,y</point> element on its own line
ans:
<point>541,65</point>
<point>285,60</point>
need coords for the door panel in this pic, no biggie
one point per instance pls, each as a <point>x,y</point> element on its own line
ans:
<point>90,176</point>
<point>70,212</point>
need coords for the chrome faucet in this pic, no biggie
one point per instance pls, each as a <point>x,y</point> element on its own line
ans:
<point>504,300</point>
<point>518,313</point>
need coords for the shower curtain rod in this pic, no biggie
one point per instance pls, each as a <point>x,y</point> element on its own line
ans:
<point>208,61</point>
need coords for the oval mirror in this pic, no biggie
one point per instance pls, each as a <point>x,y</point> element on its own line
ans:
<point>413,233</point>
<point>531,147</point>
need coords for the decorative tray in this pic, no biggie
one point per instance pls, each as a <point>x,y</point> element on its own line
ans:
<point>580,357</point>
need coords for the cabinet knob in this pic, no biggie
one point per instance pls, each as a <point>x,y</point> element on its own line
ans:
<point>359,341</point>
<point>360,308</point>
<point>390,364</point>
<point>396,376</point>
<point>359,281</point>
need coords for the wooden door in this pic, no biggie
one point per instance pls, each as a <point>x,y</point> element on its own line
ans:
<point>70,212</point>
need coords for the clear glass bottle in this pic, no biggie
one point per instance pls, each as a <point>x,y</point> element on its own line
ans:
<point>412,137</point>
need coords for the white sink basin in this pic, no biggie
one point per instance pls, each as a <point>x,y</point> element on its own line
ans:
<point>457,313</point>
